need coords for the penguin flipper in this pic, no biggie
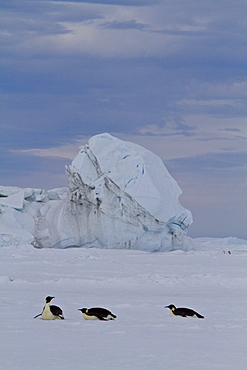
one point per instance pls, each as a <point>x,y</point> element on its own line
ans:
<point>55,310</point>
<point>37,315</point>
<point>107,319</point>
<point>100,317</point>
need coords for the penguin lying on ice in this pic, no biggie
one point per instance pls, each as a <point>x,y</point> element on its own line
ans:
<point>50,312</point>
<point>97,313</point>
<point>184,312</point>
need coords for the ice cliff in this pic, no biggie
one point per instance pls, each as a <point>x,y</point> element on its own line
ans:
<point>119,195</point>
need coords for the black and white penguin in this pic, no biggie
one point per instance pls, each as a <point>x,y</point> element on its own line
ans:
<point>184,312</point>
<point>50,312</point>
<point>97,313</point>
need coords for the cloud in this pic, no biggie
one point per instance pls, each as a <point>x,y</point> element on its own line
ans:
<point>230,129</point>
<point>211,103</point>
<point>212,162</point>
<point>27,170</point>
<point>214,189</point>
<point>112,2</point>
<point>67,151</point>
<point>168,129</point>
<point>117,25</point>
<point>115,29</point>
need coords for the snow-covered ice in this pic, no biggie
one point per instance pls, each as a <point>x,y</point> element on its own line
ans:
<point>135,285</point>
<point>119,195</point>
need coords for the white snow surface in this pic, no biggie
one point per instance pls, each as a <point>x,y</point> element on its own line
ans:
<point>135,285</point>
<point>119,195</point>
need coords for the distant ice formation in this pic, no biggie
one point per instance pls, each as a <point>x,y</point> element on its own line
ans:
<point>119,195</point>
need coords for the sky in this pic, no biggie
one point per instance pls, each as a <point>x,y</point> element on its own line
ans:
<point>169,75</point>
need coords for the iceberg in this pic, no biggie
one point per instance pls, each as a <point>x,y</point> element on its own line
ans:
<point>120,195</point>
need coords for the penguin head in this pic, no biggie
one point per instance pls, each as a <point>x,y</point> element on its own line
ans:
<point>171,307</point>
<point>48,299</point>
<point>83,310</point>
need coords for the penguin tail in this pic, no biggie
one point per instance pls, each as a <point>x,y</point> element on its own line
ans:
<point>199,316</point>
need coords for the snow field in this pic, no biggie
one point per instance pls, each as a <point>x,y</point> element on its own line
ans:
<point>134,285</point>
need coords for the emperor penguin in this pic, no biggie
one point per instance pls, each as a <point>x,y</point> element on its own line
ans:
<point>97,313</point>
<point>184,312</point>
<point>50,312</point>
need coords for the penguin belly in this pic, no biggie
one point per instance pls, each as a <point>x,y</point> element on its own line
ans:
<point>88,317</point>
<point>47,315</point>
